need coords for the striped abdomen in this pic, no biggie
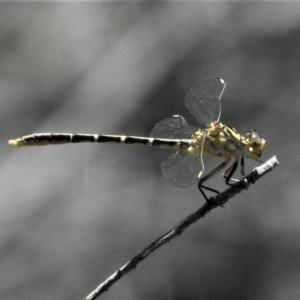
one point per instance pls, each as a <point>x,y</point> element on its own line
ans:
<point>41,139</point>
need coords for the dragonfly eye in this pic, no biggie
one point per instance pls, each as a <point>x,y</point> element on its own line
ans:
<point>255,144</point>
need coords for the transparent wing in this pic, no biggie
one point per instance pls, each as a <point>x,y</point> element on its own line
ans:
<point>181,170</point>
<point>174,127</point>
<point>203,100</point>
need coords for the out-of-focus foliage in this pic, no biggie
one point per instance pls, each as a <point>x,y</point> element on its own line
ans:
<point>72,214</point>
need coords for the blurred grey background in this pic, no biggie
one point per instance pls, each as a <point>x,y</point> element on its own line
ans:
<point>72,214</point>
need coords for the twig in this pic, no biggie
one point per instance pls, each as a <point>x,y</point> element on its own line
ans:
<point>213,202</point>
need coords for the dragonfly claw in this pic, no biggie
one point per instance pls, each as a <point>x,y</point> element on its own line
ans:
<point>245,183</point>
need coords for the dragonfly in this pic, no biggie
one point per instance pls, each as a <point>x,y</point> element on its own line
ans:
<point>185,166</point>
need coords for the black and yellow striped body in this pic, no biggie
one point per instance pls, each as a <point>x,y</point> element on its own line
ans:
<point>219,140</point>
<point>42,139</point>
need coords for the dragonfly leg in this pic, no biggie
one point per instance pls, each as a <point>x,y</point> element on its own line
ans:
<point>230,171</point>
<point>210,174</point>
<point>245,182</point>
<point>243,167</point>
<point>201,187</point>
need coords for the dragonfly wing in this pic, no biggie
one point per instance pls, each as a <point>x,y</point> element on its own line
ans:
<point>203,100</point>
<point>181,170</point>
<point>174,127</point>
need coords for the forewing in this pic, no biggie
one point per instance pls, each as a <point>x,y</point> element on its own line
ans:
<point>203,100</point>
<point>181,170</point>
<point>174,127</point>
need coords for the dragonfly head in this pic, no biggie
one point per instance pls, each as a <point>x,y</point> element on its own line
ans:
<point>255,143</point>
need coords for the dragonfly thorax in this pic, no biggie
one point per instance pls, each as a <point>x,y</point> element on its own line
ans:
<point>223,140</point>
<point>220,140</point>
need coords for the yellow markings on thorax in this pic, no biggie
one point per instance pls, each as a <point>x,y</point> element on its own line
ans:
<point>220,139</point>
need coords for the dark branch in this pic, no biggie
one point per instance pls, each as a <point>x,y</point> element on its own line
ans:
<point>213,202</point>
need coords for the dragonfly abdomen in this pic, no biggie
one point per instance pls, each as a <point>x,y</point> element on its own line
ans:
<point>145,141</point>
<point>42,139</point>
